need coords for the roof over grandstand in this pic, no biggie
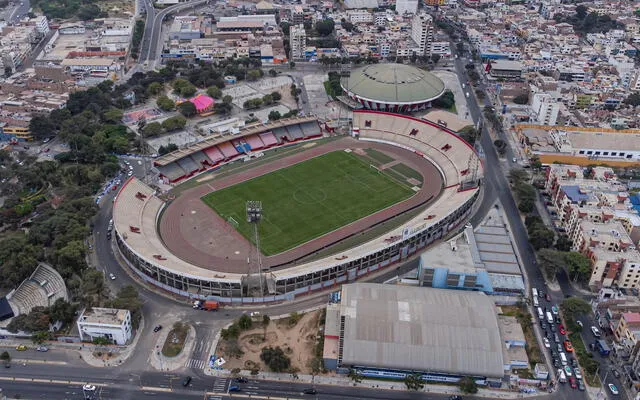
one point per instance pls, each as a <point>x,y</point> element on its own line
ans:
<point>421,329</point>
<point>393,83</point>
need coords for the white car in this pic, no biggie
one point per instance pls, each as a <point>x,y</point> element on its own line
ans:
<point>112,276</point>
<point>547,344</point>
<point>595,331</point>
<point>88,388</point>
<point>577,373</point>
<point>613,388</point>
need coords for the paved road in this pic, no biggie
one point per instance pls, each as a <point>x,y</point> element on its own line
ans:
<point>18,10</point>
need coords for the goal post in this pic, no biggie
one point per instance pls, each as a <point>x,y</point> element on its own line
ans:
<point>376,168</point>
<point>233,222</point>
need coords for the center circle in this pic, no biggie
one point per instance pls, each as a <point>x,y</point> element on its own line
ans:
<point>309,195</point>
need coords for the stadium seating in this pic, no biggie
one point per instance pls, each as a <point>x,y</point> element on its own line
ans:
<point>450,153</point>
<point>51,281</point>
<point>201,159</point>
<point>281,133</point>
<point>214,154</point>
<point>187,164</point>
<point>295,132</point>
<point>255,142</point>
<point>268,139</point>
<point>29,295</point>
<point>41,289</point>
<point>310,129</point>
<point>228,150</point>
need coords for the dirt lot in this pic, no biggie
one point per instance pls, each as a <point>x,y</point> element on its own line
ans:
<point>297,342</point>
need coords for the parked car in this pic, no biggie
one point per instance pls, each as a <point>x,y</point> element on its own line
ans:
<point>579,323</point>
<point>234,388</point>
<point>577,373</point>
<point>613,388</point>
<point>112,276</point>
<point>562,330</point>
<point>568,346</point>
<point>21,347</point>
<point>309,391</point>
<point>547,344</point>
<point>43,349</point>
<point>556,338</point>
<point>88,388</point>
<point>573,383</point>
<point>559,348</point>
<point>568,370</point>
<point>574,362</point>
<point>157,328</point>
<point>186,381</point>
<point>595,331</point>
<point>241,379</point>
<point>581,385</point>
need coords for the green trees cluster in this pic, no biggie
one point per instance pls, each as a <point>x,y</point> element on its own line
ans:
<point>586,22</point>
<point>165,103</point>
<point>413,381</point>
<point>136,38</point>
<point>187,108</point>
<point>275,359</point>
<point>525,192</point>
<point>65,9</point>
<point>174,123</point>
<point>162,150</point>
<point>39,319</point>
<point>469,134</point>
<point>325,27</point>
<point>521,98</point>
<point>184,88</point>
<point>446,101</point>
<point>332,86</point>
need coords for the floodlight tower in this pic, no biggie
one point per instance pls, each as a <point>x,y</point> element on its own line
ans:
<point>254,215</point>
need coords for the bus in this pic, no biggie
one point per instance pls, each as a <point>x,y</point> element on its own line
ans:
<point>534,292</point>
<point>536,303</point>
<point>549,317</point>
<point>540,314</point>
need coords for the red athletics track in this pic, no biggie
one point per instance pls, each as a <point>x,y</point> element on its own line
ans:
<point>197,234</point>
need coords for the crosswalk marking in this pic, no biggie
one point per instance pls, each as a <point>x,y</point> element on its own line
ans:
<point>220,385</point>
<point>195,364</point>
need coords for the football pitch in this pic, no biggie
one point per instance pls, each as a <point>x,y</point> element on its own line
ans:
<point>308,199</point>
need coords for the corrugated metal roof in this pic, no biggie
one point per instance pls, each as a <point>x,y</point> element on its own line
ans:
<point>422,329</point>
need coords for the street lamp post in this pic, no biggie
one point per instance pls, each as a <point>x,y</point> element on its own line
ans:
<point>254,215</point>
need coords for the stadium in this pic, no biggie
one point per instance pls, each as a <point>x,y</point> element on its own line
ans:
<point>335,208</point>
<point>392,87</point>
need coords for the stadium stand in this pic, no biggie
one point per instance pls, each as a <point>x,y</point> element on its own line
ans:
<point>214,154</point>
<point>172,172</point>
<point>311,129</point>
<point>41,289</point>
<point>255,142</point>
<point>295,132</point>
<point>268,139</point>
<point>189,165</point>
<point>201,159</point>
<point>228,150</point>
<point>282,134</point>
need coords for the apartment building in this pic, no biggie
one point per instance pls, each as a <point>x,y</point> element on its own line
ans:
<point>406,6</point>
<point>545,109</point>
<point>110,323</point>
<point>422,33</point>
<point>298,42</point>
<point>627,332</point>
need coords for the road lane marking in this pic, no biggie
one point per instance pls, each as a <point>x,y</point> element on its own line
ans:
<point>155,389</point>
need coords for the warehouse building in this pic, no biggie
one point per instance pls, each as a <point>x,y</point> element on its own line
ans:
<point>387,331</point>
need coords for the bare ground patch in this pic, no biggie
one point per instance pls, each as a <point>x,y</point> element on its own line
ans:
<point>296,340</point>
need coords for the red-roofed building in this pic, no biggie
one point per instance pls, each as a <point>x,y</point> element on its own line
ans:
<point>203,103</point>
<point>627,332</point>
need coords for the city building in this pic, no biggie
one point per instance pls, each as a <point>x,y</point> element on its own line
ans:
<point>422,33</point>
<point>187,27</point>
<point>298,42</point>
<point>406,6</point>
<point>505,69</point>
<point>627,333</point>
<point>387,331</point>
<point>109,323</point>
<point>545,109</point>
<point>392,87</point>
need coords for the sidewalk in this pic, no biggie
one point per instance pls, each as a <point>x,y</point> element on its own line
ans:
<point>343,380</point>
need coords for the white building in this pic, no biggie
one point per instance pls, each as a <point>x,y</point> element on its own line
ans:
<point>109,323</point>
<point>360,16</point>
<point>297,41</point>
<point>422,33</point>
<point>406,6</point>
<point>41,23</point>
<point>441,48</point>
<point>545,108</point>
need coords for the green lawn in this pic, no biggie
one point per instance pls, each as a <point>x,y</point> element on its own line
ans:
<point>380,157</point>
<point>308,199</point>
<point>407,172</point>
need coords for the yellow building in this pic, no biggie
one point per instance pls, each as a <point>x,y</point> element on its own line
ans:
<point>19,132</point>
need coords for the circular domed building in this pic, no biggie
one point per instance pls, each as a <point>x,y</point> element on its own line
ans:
<point>392,87</point>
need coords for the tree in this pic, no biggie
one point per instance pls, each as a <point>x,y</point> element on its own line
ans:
<point>633,99</point>
<point>551,261</point>
<point>275,359</point>
<point>267,100</point>
<point>5,356</point>
<point>187,108</point>
<point>469,134</point>
<point>521,98</point>
<point>113,115</point>
<point>435,58</point>
<point>155,88</point>
<point>413,381</point>
<point>214,92</point>
<point>165,103</point>
<point>127,298</point>
<point>162,150</point>
<point>541,238</point>
<point>501,146</point>
<point>245,322</point>
<point>152,129</point>
<point>273,72</point>
<point>227,99</point>
<point>468,385</point>
<point>174,123</point>
<point>355,375</point>
<point>274,115</point>
<point>292,64</point>
<point>574,306</point>
<point>266,320</point>
<point>41,127</point>
<point>101,341</point>
<point>254,74</point>
<point>276,96</point>
<point>325,27</point>
<point>581,11</point>
<point>184,88</point>
<point>39,337</point>
<point>445,101</point>
<point>563,243</point>
<point>578,265</point>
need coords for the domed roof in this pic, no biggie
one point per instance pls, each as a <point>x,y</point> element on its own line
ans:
<point>393,83</point>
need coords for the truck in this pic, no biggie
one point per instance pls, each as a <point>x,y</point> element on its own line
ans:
<point>207,305</point>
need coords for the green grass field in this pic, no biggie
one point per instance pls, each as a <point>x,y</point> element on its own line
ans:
<point>308,199</point>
